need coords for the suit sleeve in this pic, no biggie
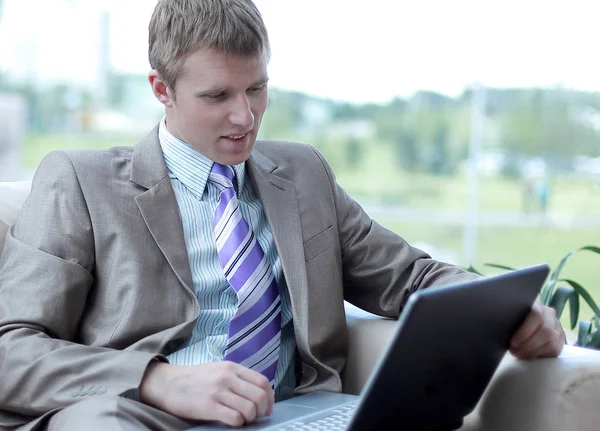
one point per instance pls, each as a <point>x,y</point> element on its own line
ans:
<point>380,269</point>
<point>46,276</point>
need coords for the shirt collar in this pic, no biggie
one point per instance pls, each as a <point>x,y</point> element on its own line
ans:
<point>188,165</point>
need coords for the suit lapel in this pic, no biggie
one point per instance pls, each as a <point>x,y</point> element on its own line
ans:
<point>159,206</point>
<point>278,198</point>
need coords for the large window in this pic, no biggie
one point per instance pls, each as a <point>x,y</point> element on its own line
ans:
<point>470,128</point>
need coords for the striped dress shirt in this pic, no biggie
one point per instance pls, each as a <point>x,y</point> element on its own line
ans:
<point>197,200</point>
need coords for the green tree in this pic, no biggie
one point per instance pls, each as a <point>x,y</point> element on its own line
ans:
<point>284,115</point>
<point>353,152</point>
<point>546,124</point>
<point>439,163</point>
<point>407,151</point>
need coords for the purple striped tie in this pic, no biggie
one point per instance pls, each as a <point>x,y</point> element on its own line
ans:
<point>255,330</point>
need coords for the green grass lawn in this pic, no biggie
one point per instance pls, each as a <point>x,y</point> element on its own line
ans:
<point>38,145</point>
<point>426,191</point>
<point>518,247</point>
<point>378,176</point>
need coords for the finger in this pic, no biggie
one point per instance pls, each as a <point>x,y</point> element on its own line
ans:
<point>544,333</point>
<point>531,354</point>
<point>559,340</point>
<point>529,327</point>
<point>261,398</point>
<point>227,415</point>
<point>524,350</point>
<point>245,407</point>
<point>551,349</point>
<point>260,390</point>
<point>542,346</point>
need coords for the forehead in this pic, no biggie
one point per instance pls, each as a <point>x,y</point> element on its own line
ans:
<point>212,67</point>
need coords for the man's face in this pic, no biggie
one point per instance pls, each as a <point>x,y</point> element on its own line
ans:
<point>219,103</point>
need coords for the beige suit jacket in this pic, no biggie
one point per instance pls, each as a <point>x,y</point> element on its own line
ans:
<point>95,281</point>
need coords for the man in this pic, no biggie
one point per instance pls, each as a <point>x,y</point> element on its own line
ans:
<point>182,279</point>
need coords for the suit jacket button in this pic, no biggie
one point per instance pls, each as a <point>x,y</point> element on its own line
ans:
<point>77,393</point>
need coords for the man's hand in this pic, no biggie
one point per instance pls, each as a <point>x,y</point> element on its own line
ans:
<point>540,336</point>
<point>219,391</point>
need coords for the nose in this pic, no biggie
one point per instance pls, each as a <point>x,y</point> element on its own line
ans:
<point>241,113</point>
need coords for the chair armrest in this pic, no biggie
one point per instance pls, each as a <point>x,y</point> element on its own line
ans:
<point>540,395</point>
<point>12,196</point>
<point>369,335</point>
<point>543,395</point>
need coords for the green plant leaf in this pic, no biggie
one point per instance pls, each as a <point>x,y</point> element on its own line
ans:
<point>497,266</point>
<point>472,269</point>
<point>584,294</point>
<point>546,292</point>
<point>556,273</point>
<point>583,334</point>
<point>560,297</point>
<point>574,308</point>
<point>594,341</point>
<point>592,248</point>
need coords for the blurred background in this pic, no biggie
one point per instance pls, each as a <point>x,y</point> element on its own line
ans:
<point>471,128</point>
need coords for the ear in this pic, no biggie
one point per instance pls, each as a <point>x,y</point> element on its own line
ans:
<point>160,89</point>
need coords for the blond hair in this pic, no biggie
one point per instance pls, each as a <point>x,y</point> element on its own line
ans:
<point>180,27</point>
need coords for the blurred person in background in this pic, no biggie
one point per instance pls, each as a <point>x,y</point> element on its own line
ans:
<point>201,274</point>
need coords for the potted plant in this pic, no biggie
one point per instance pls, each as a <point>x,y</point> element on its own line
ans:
<point>557,292</point>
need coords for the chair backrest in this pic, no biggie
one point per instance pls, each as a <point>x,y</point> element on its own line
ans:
<point>12,196</point>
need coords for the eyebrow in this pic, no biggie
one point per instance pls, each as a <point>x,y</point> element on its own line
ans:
<point>217,90</point>
<point>260,82</point>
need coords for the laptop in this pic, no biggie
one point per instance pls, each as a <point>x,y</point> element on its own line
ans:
<point>446,346</point>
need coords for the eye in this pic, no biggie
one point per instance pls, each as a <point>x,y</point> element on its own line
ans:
<point>216,96</point>
<point>257,88</point>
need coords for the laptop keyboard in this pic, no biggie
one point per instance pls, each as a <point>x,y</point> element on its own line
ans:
<point>336,420</point>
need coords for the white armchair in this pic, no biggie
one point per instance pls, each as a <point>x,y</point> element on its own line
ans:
<point>542,395</point>
<point>561,394</point>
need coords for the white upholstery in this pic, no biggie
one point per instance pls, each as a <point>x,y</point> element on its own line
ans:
<point>12,196</point>
<point>543,395</point>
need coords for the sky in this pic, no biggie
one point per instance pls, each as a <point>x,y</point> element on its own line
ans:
<point>354,50</point>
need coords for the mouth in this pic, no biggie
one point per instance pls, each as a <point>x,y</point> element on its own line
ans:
<point>236,137</point>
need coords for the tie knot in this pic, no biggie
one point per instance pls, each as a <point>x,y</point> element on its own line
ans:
<point>221,176</point>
